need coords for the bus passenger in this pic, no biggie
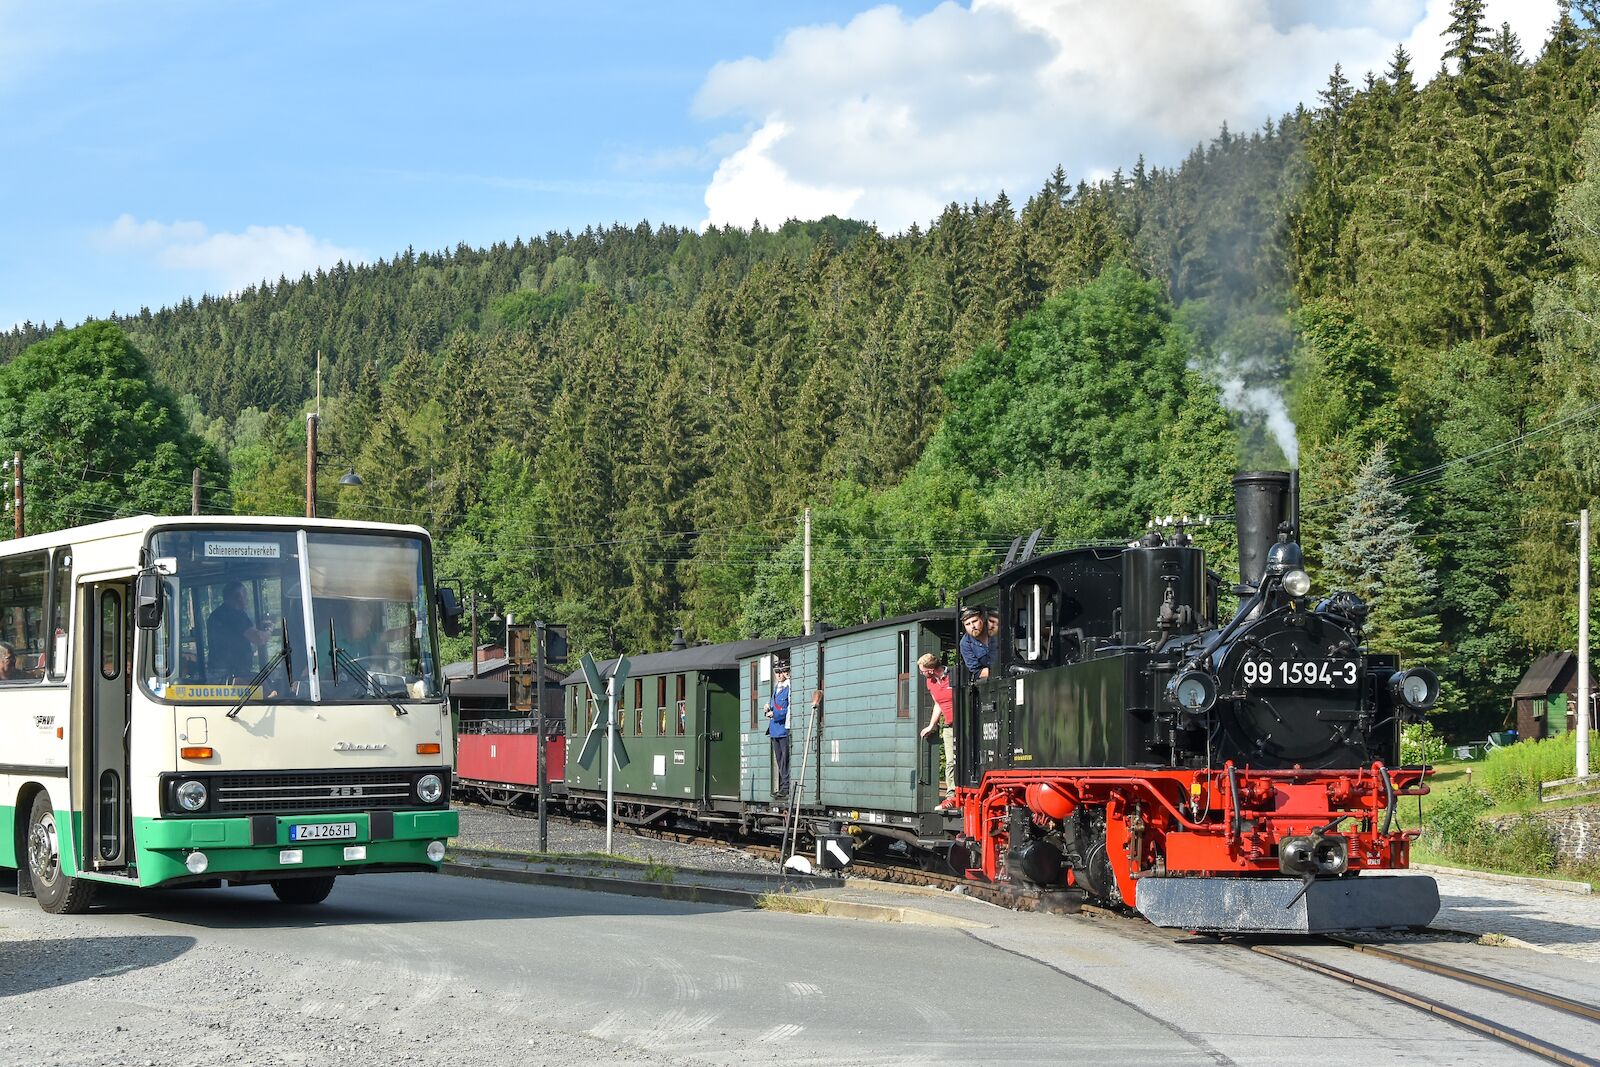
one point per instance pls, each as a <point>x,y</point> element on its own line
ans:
<point>8,663</point>
<point>233,637</point>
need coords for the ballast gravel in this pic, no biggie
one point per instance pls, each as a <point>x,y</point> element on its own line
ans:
<point>495,830</point>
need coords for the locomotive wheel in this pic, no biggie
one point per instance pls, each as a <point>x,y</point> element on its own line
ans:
<point>56,893</point>
<point>1096,875</point>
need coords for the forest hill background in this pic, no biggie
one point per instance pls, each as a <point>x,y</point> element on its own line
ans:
<point>618,429</point>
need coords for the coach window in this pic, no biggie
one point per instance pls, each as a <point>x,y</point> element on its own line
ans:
<point>1033,620</point>
<point>638,707</point>
<point>755,693</point>
<point>22,617</point>
<point>682,705</point>
<point>902,667</point>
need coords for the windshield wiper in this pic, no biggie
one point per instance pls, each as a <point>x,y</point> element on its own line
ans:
<point>285,655</point>
<point>337,655</point>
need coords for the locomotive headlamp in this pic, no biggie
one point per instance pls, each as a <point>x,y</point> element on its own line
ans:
<point>1193,692</point>
<point>1417,688</point>
<point>1296,582</point>
<point>192,796</point>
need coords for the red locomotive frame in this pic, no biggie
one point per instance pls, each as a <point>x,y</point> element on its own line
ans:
<point>1173,821</point>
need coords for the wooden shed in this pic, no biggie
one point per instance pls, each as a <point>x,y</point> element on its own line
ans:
<point>1545,701</point>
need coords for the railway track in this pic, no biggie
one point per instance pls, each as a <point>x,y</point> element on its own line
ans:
<point>1014,897</point>
<point>1516,998</point>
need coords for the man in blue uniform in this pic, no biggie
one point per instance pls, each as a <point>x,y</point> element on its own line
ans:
<point>778,727</point>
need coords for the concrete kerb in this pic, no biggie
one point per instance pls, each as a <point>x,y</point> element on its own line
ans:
<point>1559,885</point>
<point>509,868</point>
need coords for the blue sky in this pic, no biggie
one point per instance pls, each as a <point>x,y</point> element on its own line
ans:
<point>166,149</point>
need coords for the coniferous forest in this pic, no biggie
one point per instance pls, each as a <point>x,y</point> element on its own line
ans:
<point>1395,287</point>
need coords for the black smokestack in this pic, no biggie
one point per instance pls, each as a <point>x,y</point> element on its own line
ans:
<point>1261,503</point>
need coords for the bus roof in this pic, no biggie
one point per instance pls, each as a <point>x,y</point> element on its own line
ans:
<point>140,524</point>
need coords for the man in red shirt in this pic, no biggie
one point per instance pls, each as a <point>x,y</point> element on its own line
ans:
<point>938,681</point>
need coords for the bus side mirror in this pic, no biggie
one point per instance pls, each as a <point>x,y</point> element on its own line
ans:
<point>449,611</point>
<point>150,599</point>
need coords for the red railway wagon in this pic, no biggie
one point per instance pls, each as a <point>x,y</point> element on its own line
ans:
<point>497,760</point>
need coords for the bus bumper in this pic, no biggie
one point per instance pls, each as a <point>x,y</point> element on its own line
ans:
<point>259,848</point>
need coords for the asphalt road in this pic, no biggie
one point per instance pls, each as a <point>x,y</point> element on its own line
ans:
<point>418,969</point>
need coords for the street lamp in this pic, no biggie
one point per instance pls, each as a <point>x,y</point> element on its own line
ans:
<point>351,478</point>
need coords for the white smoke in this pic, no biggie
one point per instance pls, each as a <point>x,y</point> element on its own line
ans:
<point>1263,403</point>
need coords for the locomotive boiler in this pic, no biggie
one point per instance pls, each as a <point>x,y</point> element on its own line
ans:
<point>1236,773</point>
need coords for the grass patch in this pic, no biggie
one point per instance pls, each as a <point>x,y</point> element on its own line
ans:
<point>1463,795</point>
<point>791,902</point>
<point>659,872</point>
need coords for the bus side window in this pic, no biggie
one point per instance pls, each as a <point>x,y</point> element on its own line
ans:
<point>60,613</point>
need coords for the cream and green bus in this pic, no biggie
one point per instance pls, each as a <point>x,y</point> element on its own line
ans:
<point>218,700</point>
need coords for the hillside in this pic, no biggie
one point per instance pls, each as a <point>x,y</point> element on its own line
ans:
<point>619,428</point>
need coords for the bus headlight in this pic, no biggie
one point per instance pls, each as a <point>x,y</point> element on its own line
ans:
<point>429,789</point>
<point>192,795</point>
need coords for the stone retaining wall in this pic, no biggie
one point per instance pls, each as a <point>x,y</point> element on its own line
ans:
<point>1576,830</point>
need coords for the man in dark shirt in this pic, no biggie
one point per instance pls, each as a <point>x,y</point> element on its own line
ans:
<point>233,638</point>
<point>977,643</point>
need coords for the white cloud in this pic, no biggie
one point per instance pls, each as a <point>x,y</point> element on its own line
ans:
<point>891,117</point>
<point>227,262</point>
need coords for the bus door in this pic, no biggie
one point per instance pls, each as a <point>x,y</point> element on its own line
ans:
<point>106,631</point>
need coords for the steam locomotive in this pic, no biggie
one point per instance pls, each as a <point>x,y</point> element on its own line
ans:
<point>1127,744</point>
<point>1213,774</point>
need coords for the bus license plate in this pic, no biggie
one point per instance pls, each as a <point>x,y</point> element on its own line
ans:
<point>322,831</point>
<point>1302,674</point>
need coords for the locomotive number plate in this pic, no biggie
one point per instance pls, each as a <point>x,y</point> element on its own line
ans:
<point>1302,674</point>
<point>322,831</point>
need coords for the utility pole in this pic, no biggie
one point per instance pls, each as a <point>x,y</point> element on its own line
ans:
<point>16,485</point>
<point>194,492</point>
<point>472,601</point>
<point>312,418</point>
<point>806,579</point>
<point>1583,644</point>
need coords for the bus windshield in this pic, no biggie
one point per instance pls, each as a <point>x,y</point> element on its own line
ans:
<point>238,624</point>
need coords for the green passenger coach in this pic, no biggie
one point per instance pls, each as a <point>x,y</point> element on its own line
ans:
<point>220,700</point>
<point>692,725</point>
<point>678,724</point>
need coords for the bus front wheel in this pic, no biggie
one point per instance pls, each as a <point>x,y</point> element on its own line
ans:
<point>303,890</point>
<point>57,893</point>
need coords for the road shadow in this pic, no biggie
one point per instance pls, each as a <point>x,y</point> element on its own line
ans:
<point>46,963</point>
<point>384,899</point>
